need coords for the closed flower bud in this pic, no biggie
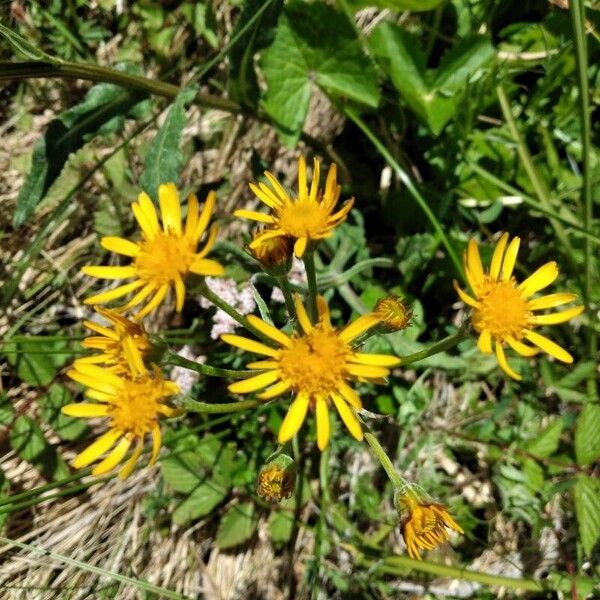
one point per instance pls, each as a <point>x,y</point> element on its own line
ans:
<point>274,254</point>
<point>394,314</point>
<point>277,479</point>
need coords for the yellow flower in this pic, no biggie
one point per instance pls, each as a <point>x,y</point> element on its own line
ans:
<point>132,404</point>
<point>277,479</point>
<point>163,257</point>
<point>315,366</point>
<point>503,309</point>
<point>305,217</point>
<point>111,341</point>
<point>395,315</point>
<point>425,524</point>
<point>275,253</point>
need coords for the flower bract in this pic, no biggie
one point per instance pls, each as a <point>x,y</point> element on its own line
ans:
<point>504,310</point>
<point>315,365</point>
<point>164,256</point>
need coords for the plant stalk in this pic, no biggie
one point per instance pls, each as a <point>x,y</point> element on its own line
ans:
<point>311,278</point>
<point>441,346</point>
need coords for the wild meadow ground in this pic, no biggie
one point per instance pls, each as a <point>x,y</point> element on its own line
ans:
<point>299,299</point>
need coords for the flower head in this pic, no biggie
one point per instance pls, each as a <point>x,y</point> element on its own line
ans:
<point>111,341</point>
<point>163,257</point>
<point>133,405</point>
<point>424,524</point>
<point>273,253</point>
<point>503,310</point>
<point>305,217</point>
<point>395,315</point>
<point>277,479</point>
<point>315,366</point>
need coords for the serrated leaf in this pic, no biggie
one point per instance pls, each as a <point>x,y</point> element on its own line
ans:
<point>546,443</point>
<point>434,95</point>
<point>203,499</point>
<point>305,52</point>
<point>37,362</point>
<point>67,428</point>
<point>182,471</point>
<point>164,158</point>
<point>27,439</point>
<point>587,507</point>
<point>236,526</point>
<point>587,435</point>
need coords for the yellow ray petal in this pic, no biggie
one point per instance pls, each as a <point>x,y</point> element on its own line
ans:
<point>149,230</point>
<point>473,283</point>
<point>504,364</point>
<point>252,384</point>
<point>302,187</point>
<point>170,207</point>
<point>300,246</point>
<point>179,294</point>
<point>358,327</point>
<point>335,218</point>
<point>156,442</point>
<point>484,342</point>
<point>105,331</point>
<point>93,359</point>
<point>293,419</point>
<point>133,357</point>
<point>323,424</point>
<point>498,256</point>
<point>465,297</point>
<point>366,371</point>
<point>100,396</point>
<point>191,220</point>
<point>548,346</point>
<point>521,348</point>
<point>103,444</point>
<point>540,279</point>
<point>265,195</point>
<point>323,311</point>
<point>510,258</point>
<point>206,214</point>
<point>275,390</point>
<point>115,293</point>
<point>149,211</point>
<point>349,395</point>
<point>255,216</point>
<point>557,317</point>
<point>120,246</point>
<point>113,459</point>
<point>474,262</point>
<point>139,297</point>
<point>106,272</point>
<point>85,410</point>
<point>101,375</point>
<point>331,188</point>
<point>316,176</point>
<point>263,364</point>
<point>250,345</point>
<point>207,267</point>
<point>125,472</point>
<point>277,187</point>
<point>378,360</point>
<point>348,417</point>
<point>551,301</point>
<point>270,331</point>
<point>91,382</point>
<point>302,315</point>
<point>210,242</point>
<point>155,302</point>
<point>267,235</point>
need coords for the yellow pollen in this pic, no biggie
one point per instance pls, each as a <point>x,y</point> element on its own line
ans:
<point>164,259</point>
<point>314,363</point>
<point>502,310</point>
<point>136,409</point>
<point>303,218</point>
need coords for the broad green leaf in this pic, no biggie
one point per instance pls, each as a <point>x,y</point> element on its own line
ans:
<point>67,428</point>
<point>587,507</point>
<point>434,95</point>
<point>304,53</point>
<point>236,526</point>
<point>67,133</point>
<point>587,435</point>
<point>163,161</point>
<point>182,471</point>
<point>37,362</point>
<point>281,526</point>
<point>203,499</point>
<point>7,410</point>
<point>27,439</point>
<point>397,5</point>
<point>546,443</point>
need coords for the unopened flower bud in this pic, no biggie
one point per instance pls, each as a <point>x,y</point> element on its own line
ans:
<point>394,314</point>
<point>277,479</point>
<point>274,254</point>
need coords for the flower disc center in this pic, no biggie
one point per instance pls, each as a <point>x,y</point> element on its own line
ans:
<point>163,259</point>
<point>136,409</point>
<point>303,218</point>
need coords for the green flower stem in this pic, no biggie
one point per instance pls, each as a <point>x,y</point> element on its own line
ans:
<point>577,9</point>
<point>171,358</point>
<point>406,180</point>
<point>234,314</point>
<point>227,407</point>
<point>311,278</point>
<point>286,290</point>
<point>397,480</point>
<point>441,346</point>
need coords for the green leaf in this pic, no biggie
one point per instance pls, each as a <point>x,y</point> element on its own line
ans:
<point>202,18</point>
<point>37,362</point>
<point>587,435</point>
<point>4,487</point>
<point>397,5</point>
<point>27,439</point>
<point>7,411</point>
<point>203,499</point>
<point>236,526</point>
<point>546,444</point>
<point>67,428</point>
<point>182,471</point>
<point>587,507</point>
<point>434,95</point>
<point>21,46</point>
<point>164,159</point>
<point>305,52</point>
<point>281,526</point>
<point>103,104</point>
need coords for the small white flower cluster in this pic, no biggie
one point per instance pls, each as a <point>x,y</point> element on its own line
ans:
<point>296,276</point>
<point>242,299</point>
<point>186,378</point>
